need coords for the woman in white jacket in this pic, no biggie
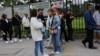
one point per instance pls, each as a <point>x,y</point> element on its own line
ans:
<point>36,33</point>
<point>26,24</point>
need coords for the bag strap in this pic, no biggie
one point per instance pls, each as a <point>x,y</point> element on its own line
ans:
<point>52,21</point>
<point>17,19</point>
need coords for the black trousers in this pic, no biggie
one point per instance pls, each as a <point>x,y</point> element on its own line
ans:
<point>70,30</point>
<point>5,32</point>
<point>17,30</point>
<point>89,38</point>
<point>63,31</point>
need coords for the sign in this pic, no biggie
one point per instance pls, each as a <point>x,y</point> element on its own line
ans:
<point>7,11</point>
<point>22,9</point>
<point>43,5</point>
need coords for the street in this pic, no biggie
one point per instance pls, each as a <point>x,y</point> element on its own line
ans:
<point>25,48</point>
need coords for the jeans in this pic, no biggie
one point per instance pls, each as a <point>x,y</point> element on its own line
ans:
<point>45,35</point>
<point>63,32</point>
<point>38,44</point>
<point>56,41</point>
<point>89,37</point>
<point>70,30</point>
<point>5,34</point>
<point>17,30</point>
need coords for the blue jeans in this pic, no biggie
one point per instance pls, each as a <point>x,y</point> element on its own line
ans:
<point>45,35</point>
<point>56,41</point>
<point>38,44</point>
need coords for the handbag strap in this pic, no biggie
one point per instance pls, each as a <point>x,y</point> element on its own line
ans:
<point>52,21</point>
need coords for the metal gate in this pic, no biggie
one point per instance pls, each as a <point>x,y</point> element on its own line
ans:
<point>78,8</point>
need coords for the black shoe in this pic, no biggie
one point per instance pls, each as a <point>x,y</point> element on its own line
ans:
<point>96,41</point>
<point>84,44</point>
<point>93,48</point>
<point>72,40</point>
<point>66,40</point>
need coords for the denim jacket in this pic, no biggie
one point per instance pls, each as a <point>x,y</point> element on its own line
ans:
<point>89,21</point>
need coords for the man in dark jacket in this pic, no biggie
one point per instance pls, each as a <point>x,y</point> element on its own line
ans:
<point>17,25</point>
<point>63,30</point>
<point>90,26</point>
<point>6,27</point>
<point>69,19</point>
<point>40,16</point>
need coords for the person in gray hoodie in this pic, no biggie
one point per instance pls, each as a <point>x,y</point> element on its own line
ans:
<point>96,17</point>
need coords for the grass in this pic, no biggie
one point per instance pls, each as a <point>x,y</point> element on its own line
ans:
<point>78,23</point>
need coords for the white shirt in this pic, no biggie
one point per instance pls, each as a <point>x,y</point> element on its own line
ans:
<point>50,20</point>
<point>6,20</point>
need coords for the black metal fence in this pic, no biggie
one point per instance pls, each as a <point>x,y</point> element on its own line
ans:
<point>78,8</point>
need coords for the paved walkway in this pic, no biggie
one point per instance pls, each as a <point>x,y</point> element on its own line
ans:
<point>26,49</point>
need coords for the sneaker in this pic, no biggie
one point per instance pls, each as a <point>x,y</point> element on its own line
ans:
<point>28,38</point>
<point>45,55</point>
<point>84,44</point>
<point>20,40</point>
<point>57,52</point>
<point>15,39</point>
<point>93,48</point>
<point>6,42</point>
<point>1,38</point>
<point>96,41</point>
<point>52,52</point>
<point>11,41</point>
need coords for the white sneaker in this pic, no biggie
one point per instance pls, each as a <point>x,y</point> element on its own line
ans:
<point>15,39</point>
<point>20,40</point>
<point>1,38</point>
<point>6,42</point>
<point>28,38</point>
<point>11,41</point>
<point>57,52</point>
<point>45,55</point>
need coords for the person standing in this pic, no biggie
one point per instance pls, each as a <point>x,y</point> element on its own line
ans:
<point>17,20</point>
<point>36,33</point>
<point>63,30</point>
<point>26,24</point>
<point>96,17</point>
<point>6,27</point>
<point>41,17</point>
<point>69,19</point>
<point>90,26</point>
<point>54,28</point>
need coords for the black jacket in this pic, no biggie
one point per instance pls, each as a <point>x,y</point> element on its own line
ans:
<point>16,20</point>
<point>42,18</point>
<point>5,26</point>
<point>68,19</point>
<point>62,24</point>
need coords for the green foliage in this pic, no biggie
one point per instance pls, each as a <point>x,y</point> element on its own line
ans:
<point>8,2</point>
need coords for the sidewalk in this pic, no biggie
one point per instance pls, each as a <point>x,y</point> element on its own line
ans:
<point>26,49</point>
